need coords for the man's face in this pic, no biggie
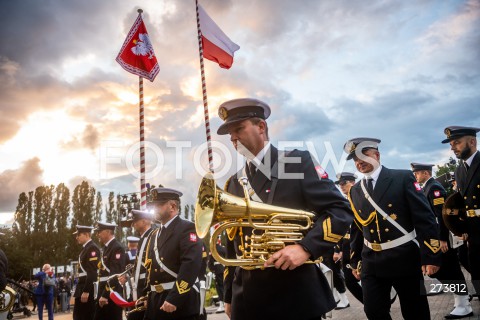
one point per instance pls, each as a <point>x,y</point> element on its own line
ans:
<point>421,176</point>
<point>162,211</point>
<point>369,162</point>
<point>103,236</point>
<point>247,136</point>
<point>462,147</point>
<point>82,237</point>
<point>345,186</point>
<point>138,225</point>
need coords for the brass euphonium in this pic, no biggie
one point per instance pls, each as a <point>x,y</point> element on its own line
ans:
<point>273,227</point>
<point>139,305</point>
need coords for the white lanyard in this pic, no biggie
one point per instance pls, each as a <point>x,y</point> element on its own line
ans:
<point>386,216</point>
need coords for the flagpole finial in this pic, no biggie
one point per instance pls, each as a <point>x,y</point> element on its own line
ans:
<point>140,11</point>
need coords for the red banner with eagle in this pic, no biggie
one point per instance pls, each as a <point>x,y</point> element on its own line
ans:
<point>137,55</point>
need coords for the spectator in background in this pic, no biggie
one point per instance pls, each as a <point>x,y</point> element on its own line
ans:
<point>44,291</point>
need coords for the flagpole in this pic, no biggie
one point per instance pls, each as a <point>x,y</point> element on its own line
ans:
<point>204,91</point>
<point>143,188</point>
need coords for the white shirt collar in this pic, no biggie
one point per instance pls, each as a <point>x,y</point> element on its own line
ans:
<point>145,232</point>
<point>259,157</point>
<point>87,242</point>
<point>374,175</point>
<point>169,222</point>
<point>106,244</point>
<point>469,160</point>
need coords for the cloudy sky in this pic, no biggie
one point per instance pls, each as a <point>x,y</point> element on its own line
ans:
<point>331,70</point>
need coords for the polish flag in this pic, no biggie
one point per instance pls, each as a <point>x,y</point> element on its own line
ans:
<point>217,46</point>
<point>137,55</point>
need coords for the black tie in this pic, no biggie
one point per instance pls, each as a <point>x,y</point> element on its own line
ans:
<point>252,169</point>
<point>466,166</point>
<point>370,186</point>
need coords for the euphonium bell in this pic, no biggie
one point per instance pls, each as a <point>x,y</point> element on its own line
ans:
<point>273,227</point>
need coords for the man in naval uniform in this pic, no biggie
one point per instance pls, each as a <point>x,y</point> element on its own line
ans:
<point>112,262</point>
<point>173,261</point>
<point>284,179</point>
<point>141,222</point>
<point>400,234</point>
<point>463,142</point>
<point>87,267</point>
<point>132,248</point>
<point>345,181</point>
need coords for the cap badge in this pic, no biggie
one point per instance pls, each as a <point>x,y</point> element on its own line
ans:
<point>351,146</point>
<point>222,112</point>
<point>448,133</point>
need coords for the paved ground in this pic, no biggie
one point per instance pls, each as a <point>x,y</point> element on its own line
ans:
<point>440,305</point>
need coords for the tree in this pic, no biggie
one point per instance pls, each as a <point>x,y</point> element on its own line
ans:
<point>98,208</point>
<point>83,204</point>
<point>448,167</point>
<point>65,244</point>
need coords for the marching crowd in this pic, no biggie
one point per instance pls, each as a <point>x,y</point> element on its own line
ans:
<point>380,237</point>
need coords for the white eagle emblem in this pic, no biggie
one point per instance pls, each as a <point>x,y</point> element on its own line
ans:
<point>143,46</point>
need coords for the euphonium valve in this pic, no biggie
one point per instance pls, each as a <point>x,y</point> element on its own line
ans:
<point>273,227</point>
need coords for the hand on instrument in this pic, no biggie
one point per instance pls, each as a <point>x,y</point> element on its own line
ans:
<point>443,246</point>
<point>356,274</point>
<point>84,297</point>
<point>102,301</point>
<point>428,270</point>
<point>168,307</point>
<point>289,257</point>
<point>337,256</point>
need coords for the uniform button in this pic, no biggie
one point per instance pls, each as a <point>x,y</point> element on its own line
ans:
<point>374,241</point>
<point>475,206</point>
<point>389,240</point>
<point>389,205</point>
<point>372,231</point>
<point>156,281</point>
<point>360,211</point>
<point>156,270</point>
<point>478,186</point>
<point>466,207</point>
<point>386,229</point>
<point>474,197</point>
<point>161,258</point>
<point>465,198</point>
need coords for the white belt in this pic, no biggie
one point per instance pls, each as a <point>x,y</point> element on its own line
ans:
<point>391,244</point>
<point>473,213</point>
<point>162,287</point>
<point>142,276</point>
<point>82,274</point>
<point>103,279</point>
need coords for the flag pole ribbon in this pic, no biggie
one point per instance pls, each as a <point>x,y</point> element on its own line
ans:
<point>204,91</point>
<point>143,192</point>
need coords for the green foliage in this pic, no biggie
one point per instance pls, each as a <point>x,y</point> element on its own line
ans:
<point>45,219</point>
<point>448,167</point>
